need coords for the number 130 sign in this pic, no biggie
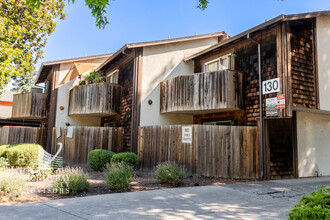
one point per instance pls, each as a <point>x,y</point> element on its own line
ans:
<point>271,86</point>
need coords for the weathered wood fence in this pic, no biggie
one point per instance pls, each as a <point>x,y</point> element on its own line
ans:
<point>18,135</point>
<point>30,105</point>
<point>101,99</point>
<point>215,151</point>
<point>202,91</point>
<point>84,139</point>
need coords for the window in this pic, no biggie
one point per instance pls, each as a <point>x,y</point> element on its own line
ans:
<point>113,77</point>
<point>221,63</point>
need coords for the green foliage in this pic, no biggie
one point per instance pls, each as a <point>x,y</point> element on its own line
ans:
<point>12,185</point>
<point>313,206</point>
<point>130,159</point>
<point>98,159</point>
<point>3,163</point>
<point>23,155</point>
<point>119,175</point>
<point>170,173</point>
<point>70,181</point>
<point>24,83</point>
<point>23,34</point>
<point>3,150</point>
<point>202,4</point>
<point>39,175</point>
<point>98,9</point>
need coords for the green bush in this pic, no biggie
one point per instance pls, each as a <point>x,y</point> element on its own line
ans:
<point>3,163</point>
<point>119,175</point>
<point>3,150</point>
<point>170,173</point>
<point>12,185</point>
<point>70,181</point>
<point>98,159</point>
<point>23,155</point>
<point>130,159</point>
<point>313,206</point>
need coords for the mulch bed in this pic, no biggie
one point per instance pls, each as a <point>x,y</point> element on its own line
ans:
<point>143,180</point>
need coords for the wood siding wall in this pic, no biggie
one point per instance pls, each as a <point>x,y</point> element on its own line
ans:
<point>303,74</point>
<point>202,92</point>
<point>30,106</point>
<point>215,151</point>
<point>85,139</point>
<point>18,135</point>
<point>101,99</point>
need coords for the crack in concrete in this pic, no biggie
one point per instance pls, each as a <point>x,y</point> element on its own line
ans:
<point>62,211</point>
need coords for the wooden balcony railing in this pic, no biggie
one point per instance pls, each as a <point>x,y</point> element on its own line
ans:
<point>101,100</point>
<point>202,92</point>
<point>30,106</point>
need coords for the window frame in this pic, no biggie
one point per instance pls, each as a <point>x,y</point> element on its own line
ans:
<point>228,56</point>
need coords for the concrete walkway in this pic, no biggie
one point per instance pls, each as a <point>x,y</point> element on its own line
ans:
<point>253,200</point>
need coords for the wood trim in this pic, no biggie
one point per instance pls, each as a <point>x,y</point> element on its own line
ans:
<point>295,145</point>
<point>52,105</point>
<point>136,100</point>
<point>315,65</point>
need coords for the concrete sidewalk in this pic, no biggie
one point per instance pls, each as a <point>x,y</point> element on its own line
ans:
<point>253,200</point>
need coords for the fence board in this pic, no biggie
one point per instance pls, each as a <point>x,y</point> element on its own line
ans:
<point>18,135</point>
<point>215,151</point>
<point>85,139</point>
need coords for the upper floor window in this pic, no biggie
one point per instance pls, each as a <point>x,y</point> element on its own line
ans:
<point>221,63</point>
<point>113,77</point>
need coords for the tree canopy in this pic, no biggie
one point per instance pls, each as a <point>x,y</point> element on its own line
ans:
<point>98,8</point>
<point>23,34</point>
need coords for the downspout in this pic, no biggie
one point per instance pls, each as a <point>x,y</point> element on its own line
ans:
<point>261,131</point>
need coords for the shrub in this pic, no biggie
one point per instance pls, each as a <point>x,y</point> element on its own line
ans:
<point>313,206</point>
<point>119,175</point>
<point>39,175</point>
<point>70,181</point>
<point>170,172</point>
<point>23,155</point>
<point>98,159</point>
<point>3,150</point>
<point>3,163</point>
<point>130,159</point>
<point>12,185</point>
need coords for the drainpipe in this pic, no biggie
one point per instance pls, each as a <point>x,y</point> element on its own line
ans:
<point>261,131</point>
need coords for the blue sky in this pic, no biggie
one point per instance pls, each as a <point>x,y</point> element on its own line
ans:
<point>145,20</point>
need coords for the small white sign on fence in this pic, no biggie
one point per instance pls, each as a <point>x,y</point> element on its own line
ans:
<point>187,134</point>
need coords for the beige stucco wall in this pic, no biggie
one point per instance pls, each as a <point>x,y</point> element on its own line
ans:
<point>65,67</point>
<point>313,136</point>
<point>323,55</point>
<point>160,63</point>
<point>62,117</point>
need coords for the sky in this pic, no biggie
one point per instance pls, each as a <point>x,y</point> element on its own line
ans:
<point>132,21</point>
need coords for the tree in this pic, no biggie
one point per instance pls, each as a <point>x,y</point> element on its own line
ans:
<point>24,83</point>
<point>23,34</point>
<point>98,8</point>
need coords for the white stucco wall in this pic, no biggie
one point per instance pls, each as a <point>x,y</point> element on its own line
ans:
<point>323,55</point>
<point>160,63</point>
<point>62,117</point>
<point>313,135</point>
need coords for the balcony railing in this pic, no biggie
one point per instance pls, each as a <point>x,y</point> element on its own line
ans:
<point>202,92</point>
<point>30,106</point>
<point>101,100</point>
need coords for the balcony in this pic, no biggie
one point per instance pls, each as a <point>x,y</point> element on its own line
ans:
<point>29,106</point>
<point>99,100</point>
<point>202,93</point>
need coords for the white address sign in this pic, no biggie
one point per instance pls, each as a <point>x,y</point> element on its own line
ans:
<point>271,86</point>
